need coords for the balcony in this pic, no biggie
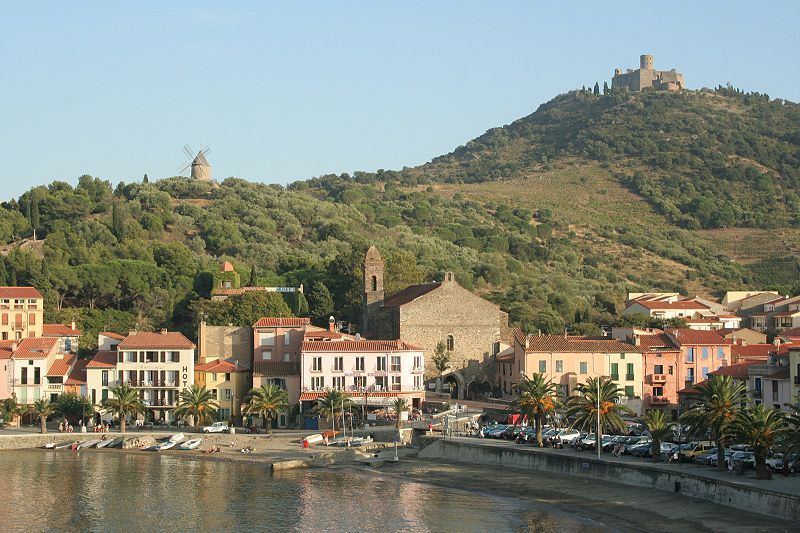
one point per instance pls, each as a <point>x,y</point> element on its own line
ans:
<point>615,377</point>
<point>628,377</point>
<point>417,370</point>
<point>658,378</point>
<point>659,400</point>
<point>757,394</point>
<point>17,326</point>
<point>55,387</point>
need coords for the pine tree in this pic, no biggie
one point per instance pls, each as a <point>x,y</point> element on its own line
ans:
<point>35,214</point>
<point>596,89</point>
<point>320,302</point>
<point>302,305</point>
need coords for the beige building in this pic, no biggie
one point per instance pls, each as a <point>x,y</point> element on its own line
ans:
<point>794,374</point>
<point>570,360</point>
<point>647,77</point>
<point>228,383</point>
<point>21,313</point>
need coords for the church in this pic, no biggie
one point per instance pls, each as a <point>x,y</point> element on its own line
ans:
<point>424,314</point>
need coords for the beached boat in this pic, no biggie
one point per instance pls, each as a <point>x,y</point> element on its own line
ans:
<point>62,445</point>
<point>116,443</point>
<point>49,446</point>
<point>103,443</point>
<point>360,441</point>
<point>191,444</point>
<point>314,439</point>
<point>74,445</point>
<point>88,444</point>
<point>164,446</point>
<point>177,438</point>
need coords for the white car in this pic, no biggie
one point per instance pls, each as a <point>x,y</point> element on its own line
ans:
<point>216,427</point>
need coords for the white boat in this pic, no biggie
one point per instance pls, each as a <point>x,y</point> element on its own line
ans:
<point>103,443</point>
<point>49,446</point>
<point>164,446</point>
<point>89,444</point>
<point>315,438</point>
<point>360,441</point>
<point>191,444</point>
<point>177,438</point>
<point>62,445</point>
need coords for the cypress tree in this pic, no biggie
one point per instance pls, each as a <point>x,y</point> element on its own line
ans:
<point>3,273</point>
<point>35,214</point>
<point>606,90</point>
<point>12,277</point>
<point>28,209</point>
<point>253,277</point>
<point>145,179</point>
<point>117,222</point>
<point>596,89</point>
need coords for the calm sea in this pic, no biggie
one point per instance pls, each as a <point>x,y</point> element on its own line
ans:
<point>114,491</point>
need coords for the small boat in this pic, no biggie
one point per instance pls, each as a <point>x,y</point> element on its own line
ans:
<point>360,441</point>
<point>191,444</point>
<point>116,443</point>
<point>88,444</point>
<point>177,438</point>
<point>314,439</point>
<point>49,446</point>
<point>164,446</point>
<point>103,443</point>
<point>62,445</point>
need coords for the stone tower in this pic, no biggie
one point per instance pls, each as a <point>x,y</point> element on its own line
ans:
<point>201,170</point>
<point>646,62</point>
<point>373,290</point>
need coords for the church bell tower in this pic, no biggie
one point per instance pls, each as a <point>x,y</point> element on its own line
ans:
<point>373,290</point>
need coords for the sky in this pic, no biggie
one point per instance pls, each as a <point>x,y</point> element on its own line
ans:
<point>283,91</point>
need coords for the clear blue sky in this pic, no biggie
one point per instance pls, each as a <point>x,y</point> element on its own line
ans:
<point>291,90</point>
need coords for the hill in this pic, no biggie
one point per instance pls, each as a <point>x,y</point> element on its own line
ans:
<point>555,216</point>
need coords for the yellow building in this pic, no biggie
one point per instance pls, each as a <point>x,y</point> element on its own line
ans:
<point>794,374</point>
<point>570,360</point>
<point>228,382</point>
<point>21,313</point>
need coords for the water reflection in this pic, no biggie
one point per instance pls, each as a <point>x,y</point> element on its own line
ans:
<point>114,491</point>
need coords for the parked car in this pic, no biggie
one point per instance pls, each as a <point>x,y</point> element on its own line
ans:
<point>748,459</point>
<point>775,463</point>
<point>216,427</point>
<point>615,439</point>
<point>568,435</point>
<point>494,432</point>
<point>630,442</point>
<point>699,448</point>
<point>706,458</point>
<point>644,450</point>
<point>713,461</point>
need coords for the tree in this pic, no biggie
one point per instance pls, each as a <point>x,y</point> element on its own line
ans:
<point>123,402</point>
<point>606,90</point>
<point>74,407</point>
<point>266,402</point>
<point>245,309</point>
<point>720,398</point>
<point>35,217</point>
<point>117,221</point>
<point>399,405</point>
<point>761,427</point>
<point>41,409</point>
<point>253,277</point>
<point>583,406</point>
<point>596,89</point>
<point>320,303</point>
<point>198,403</point>
<point>333,405</point>
<point>441,360</point>
<point>659,428</point>
<point>3,274</point>
<point>535,401</point>
<point>145,179</point>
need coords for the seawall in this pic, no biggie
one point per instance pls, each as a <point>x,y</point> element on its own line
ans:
<point>757,500</point>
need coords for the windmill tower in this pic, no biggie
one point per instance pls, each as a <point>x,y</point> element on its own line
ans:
<point>201,170</point>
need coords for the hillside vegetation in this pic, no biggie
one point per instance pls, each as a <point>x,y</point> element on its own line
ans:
<point>555,217</point>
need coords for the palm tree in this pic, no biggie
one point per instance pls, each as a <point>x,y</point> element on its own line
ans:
<point>41,408</point>
<point>583,406</point>
<point>720,399</point>
<point>123,401</point>
<point>333,404</point>
<point>659,428</point>
<point>535,400</point>
<point>760,427</point>
<point>197,402</point>
<point>399,405</point>
<point>267,402</point>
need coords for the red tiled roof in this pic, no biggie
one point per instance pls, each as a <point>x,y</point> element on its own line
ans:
<point>713,320</point>
<point>760,350</point>
<point>311,396</point>
<point>560,343</point>
<point>737,371</point>
<point>112,335</point>
<point>786,313</point>
<point>277,368</point>
<point>219,366</point>
<point>103,360</point>
<point>62,366</point>
<point>794,332</point>
<point>78,374</point>
<point>221,291</point>
<point>692,389</point>
<point>358,346</point>
<point>20,292</point>
<point>696,336</point>
<point>5,349</point>
<point>35,348</point>
<point>680,304</point>
<point>226,266</point>
<point>659,342</point>
<point>59,330</point>
<point>281,322</point>
<point>314,332</point>
<point>170,340</point>
<point>409,294</point>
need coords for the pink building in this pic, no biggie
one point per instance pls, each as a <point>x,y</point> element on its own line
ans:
<point>373,372</point>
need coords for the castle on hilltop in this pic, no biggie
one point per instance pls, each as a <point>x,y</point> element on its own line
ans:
<point>646,76</point>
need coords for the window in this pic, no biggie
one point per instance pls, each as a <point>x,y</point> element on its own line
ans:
<point>584,367</point>
<point>32,319</point>
<point>395,383</point>
<point>267,339</point>
<point>360,382</point>
<point>227,376</point>
<point>287,357</point>
<point>23,379</point>
<point>704,372</point>
<point>316,364</point>
<point>775,391</point>
<point>690,375</point>
<point>104,394</point>
<point>720,352</point>
<point>226,394</point>
<point>395,363</point>
<point>622,356</point>
<point>94,396</point>
<point>338,365</point>
<point>658,369</point>
<point>318,382</point>
<point>130,357</point>
<point>266,355</point>
<point>417,382</point>
<point>417,361</point>
<point>213,376</point>
<point>37,376</point>
<point>278,382</point>
<point>374,283</point>
<point>629,391</point>
<point>360,364</point>
<point>338,382</point>
<point>658,391</point>
<point>690,354</point>
<point>380,383</point>
<point>451,343</point>
<point>669,369</point>
<point>174,357</point>
<point>629,371</point>
<point>614,370</point>
<point>287,339</point>
<point>104,378</point>
<point>559,365</point>
<point>214,393</point>
<point>704,352</point>
<point>382,363</point>
<point>5,319</point>
<point>758,384</point>
<point>542,366</point>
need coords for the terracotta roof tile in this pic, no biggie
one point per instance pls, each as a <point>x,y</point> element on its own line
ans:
<point>5,349</point>
<point>570,344</point>
<point>409,294</point>
<point>219,366</point>
<point>281,322</point>
<point>62,366</point>
<point>659,342</point>
<point>277,368</point>
<point>78,374</point>
<point>103,360</point>
<point>358,346</point>
<point>310,396</point>
<point>112,335</point>
<point>35,348</point>
<point>737,371</point>
<point>59,330</point>
<point>761,351</point>
<point>696,336</point>
<point>20,292</point>
<point>142,340</point>
<point>680,304</point>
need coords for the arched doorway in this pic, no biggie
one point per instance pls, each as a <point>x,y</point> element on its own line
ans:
<point>450,385</point>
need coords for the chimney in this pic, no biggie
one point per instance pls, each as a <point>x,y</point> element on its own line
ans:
<point>637,340</point>
<point>163,331</point>
<point>331,324</point>
<point>73,325</point>
<point>132,331</point>
<point>14,346</point>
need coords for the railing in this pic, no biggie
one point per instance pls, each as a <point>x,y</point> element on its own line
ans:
<point>417,370</point>
<point>757,394</point>
<point>615,377</point>
<point>656,400</point>
<point>55,386</point>
<point>628,377</point>
<point>658,378</point>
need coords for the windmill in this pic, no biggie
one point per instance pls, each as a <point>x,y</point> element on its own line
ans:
<point>201,170</point>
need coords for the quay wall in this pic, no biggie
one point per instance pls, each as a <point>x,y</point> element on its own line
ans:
<point>758,500</point>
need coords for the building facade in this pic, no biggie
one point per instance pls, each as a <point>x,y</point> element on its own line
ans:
<point>647,77</point>
<point>21,313</point>
<point>228,383</point>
